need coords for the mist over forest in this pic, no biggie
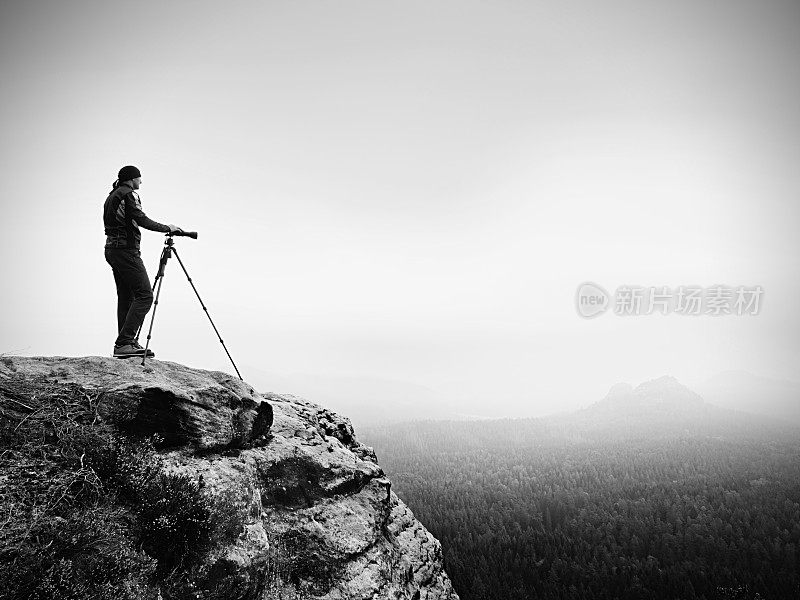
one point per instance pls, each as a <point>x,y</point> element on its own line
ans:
<point>651,492</point>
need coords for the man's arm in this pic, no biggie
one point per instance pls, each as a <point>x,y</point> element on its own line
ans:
<point>133,207</point>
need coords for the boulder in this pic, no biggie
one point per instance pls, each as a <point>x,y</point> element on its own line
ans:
<point>318,517</point>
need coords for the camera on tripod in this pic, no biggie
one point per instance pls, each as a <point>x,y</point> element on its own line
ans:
<point>181,233</point>
<point>167,253</point>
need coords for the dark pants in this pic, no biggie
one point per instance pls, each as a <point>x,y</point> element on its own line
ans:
<point>134,294</point>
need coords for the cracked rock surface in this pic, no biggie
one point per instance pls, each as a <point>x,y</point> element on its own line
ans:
<point>319,517</point>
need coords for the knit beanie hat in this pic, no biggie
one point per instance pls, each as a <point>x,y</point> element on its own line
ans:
<point>129,172</point>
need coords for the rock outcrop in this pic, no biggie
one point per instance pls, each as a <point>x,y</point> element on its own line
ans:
<point>319,519</point>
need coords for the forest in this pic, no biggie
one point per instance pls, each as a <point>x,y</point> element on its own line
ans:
<point>524,512</point>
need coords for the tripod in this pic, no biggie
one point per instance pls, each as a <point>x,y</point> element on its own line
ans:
<point>166,253</point>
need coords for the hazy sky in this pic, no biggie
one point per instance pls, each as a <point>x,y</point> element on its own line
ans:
<point>410,191</point>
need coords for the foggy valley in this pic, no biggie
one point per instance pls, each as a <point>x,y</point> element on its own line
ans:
<point>650,492</point>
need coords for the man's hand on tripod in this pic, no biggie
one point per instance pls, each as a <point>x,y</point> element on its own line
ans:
<point>178,231</point>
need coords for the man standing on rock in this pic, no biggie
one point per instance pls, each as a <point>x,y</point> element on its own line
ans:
<point>122,216</point>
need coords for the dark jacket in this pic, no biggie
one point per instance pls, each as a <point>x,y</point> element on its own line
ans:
<point>122,216</point>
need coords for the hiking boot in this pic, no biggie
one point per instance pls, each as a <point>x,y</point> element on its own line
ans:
<point>127,351</point>
<point>138,346</point>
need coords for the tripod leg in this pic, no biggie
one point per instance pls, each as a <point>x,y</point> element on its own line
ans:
<point>159,274</point>
<point>206,311</point>
<point>160,280</point>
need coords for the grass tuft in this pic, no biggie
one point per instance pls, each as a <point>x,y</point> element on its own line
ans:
<point>85,513</point>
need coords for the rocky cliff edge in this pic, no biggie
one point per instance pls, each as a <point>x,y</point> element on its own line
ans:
<point>319,519</point>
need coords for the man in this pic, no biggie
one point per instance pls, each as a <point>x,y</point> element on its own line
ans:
<point>122,217</point>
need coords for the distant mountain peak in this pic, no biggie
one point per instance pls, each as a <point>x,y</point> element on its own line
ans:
<point>664,392</point>
<point>664,384</point>
<point>620,389</point>
<point>663,380</point>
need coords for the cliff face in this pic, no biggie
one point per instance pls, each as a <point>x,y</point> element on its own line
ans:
<point>318,517</point>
